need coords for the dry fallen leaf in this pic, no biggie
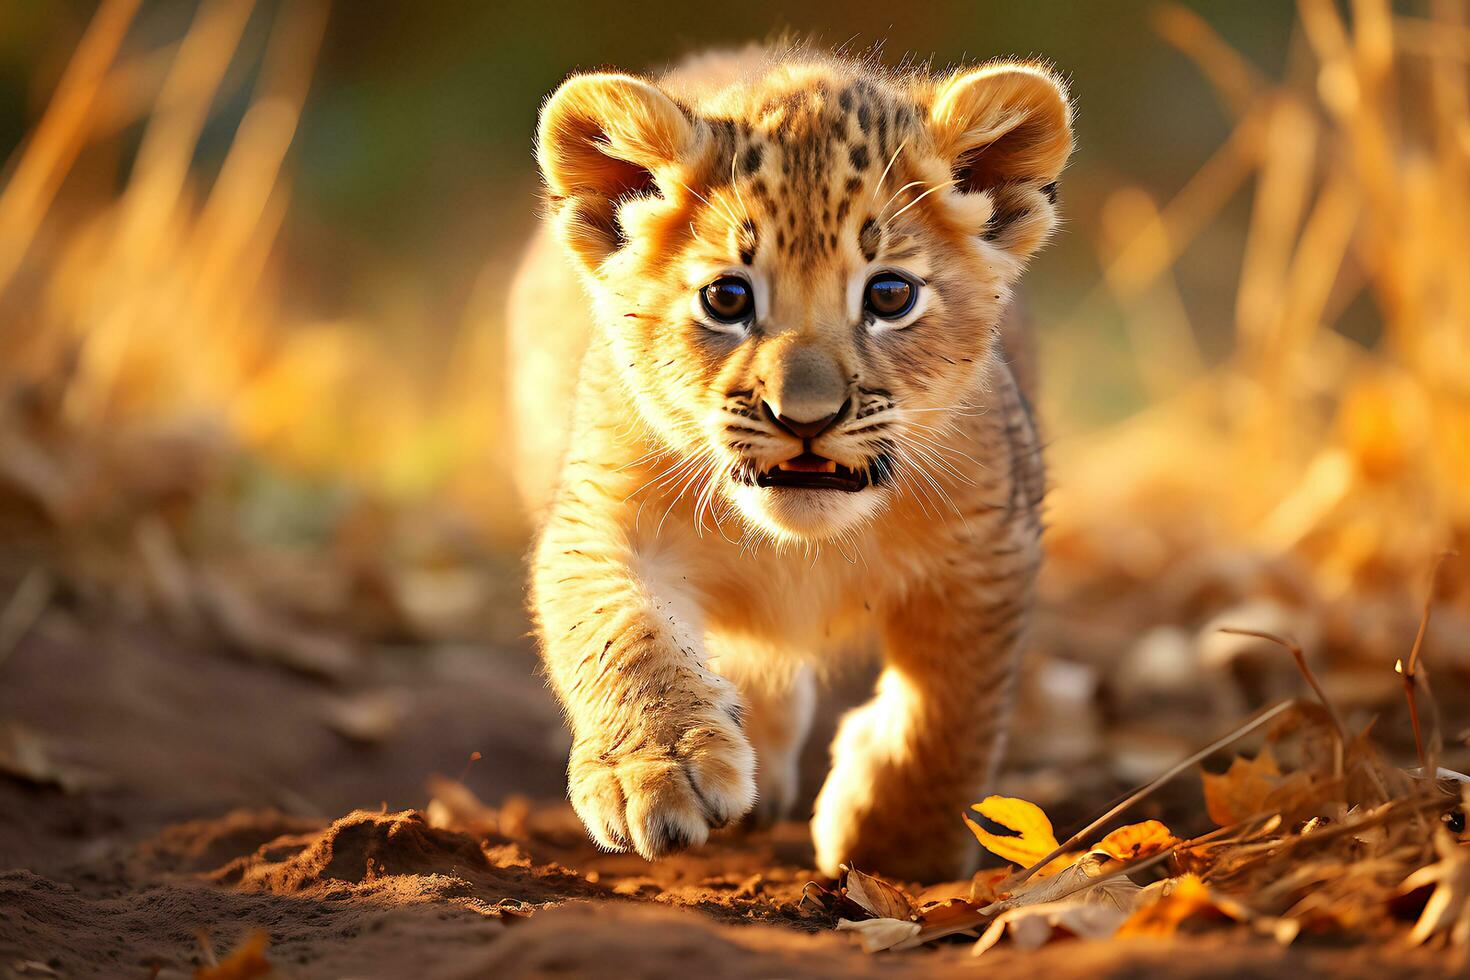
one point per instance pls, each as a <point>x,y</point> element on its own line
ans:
<point>1254,786</point>
<point>1084,879</point>
<point>1166,904</point>
<point>1033,926</point>
<point>988,885</point>
<point>876,896</point>
<point>1012,829</point>
<point>877,935</point>
<point>940,915</point>
<point>1137,841</point>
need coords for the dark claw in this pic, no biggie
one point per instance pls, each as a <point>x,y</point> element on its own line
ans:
<point>672,838</point>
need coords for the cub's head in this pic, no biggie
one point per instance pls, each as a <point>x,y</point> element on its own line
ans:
<point>801,267</point>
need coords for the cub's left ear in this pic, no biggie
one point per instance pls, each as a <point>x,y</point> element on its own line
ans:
<point>1006,132</point>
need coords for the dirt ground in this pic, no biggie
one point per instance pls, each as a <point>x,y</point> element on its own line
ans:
<point>175,797</point>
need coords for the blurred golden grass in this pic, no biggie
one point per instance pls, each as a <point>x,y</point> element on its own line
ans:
<point>1354,457</point>
<point>148,357</point>
<point>159,312</point>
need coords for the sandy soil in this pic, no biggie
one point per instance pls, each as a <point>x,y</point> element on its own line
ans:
<point>176,792</point>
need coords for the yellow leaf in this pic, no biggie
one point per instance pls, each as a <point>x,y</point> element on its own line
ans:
<point>1137,841</point>
<point>1014,830</point>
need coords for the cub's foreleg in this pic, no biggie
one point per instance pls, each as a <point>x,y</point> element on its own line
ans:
<point>908,763</point>
<point>780,701</point>
<point>658,756</point>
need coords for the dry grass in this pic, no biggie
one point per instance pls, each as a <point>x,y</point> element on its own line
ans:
<point>158,401</point>
<point>1353,456</point>
<point>157,313</point>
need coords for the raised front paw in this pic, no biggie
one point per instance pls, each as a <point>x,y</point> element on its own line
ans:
<point>664,784</point>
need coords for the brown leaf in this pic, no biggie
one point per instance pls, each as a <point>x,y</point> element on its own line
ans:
<point>938,915</point>
<point>876,896</point>
<point>1240,792</point>
<point>986,886</point>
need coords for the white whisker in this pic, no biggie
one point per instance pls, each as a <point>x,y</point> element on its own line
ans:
<point>891,160</point>
<point>937,187</point>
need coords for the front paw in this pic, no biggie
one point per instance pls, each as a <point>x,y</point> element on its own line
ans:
<point>885,808</point>
<point>662,787</point>
<point>905,839</point>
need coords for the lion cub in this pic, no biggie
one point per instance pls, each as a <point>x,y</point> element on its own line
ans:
<point>757,354</point>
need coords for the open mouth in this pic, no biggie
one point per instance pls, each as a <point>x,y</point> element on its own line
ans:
<point>809,471</point>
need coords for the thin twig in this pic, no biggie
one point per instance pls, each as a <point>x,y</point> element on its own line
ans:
<point>1408,680</point>
<point>1417,649</point>
<point>1411,673</point>
<point>1301,664</point>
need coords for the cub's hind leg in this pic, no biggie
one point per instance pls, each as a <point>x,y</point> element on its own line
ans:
<point>780,700</point>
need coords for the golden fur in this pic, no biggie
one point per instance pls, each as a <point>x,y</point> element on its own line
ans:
<point>681,607</point>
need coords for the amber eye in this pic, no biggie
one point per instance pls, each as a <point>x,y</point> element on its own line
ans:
<point>728,299</point>
<point>890,295</point>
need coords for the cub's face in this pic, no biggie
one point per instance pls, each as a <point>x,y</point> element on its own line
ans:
<point>801,274</point>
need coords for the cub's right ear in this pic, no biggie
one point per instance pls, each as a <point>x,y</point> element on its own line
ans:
<point>604,140</point>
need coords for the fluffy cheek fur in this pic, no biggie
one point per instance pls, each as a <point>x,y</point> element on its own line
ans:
<point>664,370</point>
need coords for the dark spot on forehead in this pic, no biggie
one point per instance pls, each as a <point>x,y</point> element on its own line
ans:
<point>852,185</point>
<point>844,100</point>
<point>751,161</point>
<point>747,240</point>
<point>864,116</point>
<point>869,238</point>
<point>724,131</point>
<point>858,155</point>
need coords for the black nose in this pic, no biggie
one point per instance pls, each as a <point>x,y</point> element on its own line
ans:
<point>806,430</point>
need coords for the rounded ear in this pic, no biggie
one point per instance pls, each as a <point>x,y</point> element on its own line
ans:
<point>603,139</point>
<point>1006,132</point>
